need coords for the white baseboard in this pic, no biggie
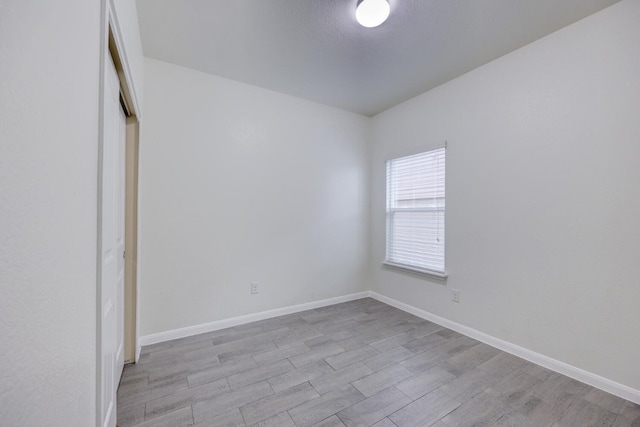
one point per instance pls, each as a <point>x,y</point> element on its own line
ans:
<point>581,375</point>
<point>241,320</point>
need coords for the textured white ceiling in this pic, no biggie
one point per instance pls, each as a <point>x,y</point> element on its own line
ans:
<point>315,49</point>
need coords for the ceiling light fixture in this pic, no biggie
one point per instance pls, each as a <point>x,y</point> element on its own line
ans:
<point>371,13</point>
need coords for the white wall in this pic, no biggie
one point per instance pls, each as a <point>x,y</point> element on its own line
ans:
<point>241,184</point>
<point>543,195</point>
<point>49,68</point>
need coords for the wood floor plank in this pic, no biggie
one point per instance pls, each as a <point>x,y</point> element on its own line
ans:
<point>469,359</point>
<point>347,358</point>
<point>554,387</point>
<point>344,376</point>
<point>183,398</point>
<point>469,384</point>
<point>220,371</point>
<point>423,327</point>
<point>425,343</point>
<point>447,348</point>
<point>629,416</point>
<point>316,354</point>
<point>175,351</point>
<point>374,408</point>
<point>388,358</point>
<point>178,418</point>
<point>236,335</point>
<point>332,421</point>
<point>245,351</point>
<point>605,400</point>
<point>385,422</point>
<point>631,411</point>
<point>272,405</point>
<point>324,406</point>
<point>280,353</point>
<point>210,409</point>
<point>533,412</point>
<point>392,342</point>
<point>297,334</point>
<point>584,413</point>
<point>514,387</point>
<point>424,411</point>
<point>502,364</point>
<point>280,420</point>
<point>131,415</point>
<point>259,373</point>
<point>230,418</point>
<point>298,376</point>
<point>417,386</point>
<point>482,410</point>
<point>378,381</point>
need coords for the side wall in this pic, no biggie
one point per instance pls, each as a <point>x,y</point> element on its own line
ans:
<point>49,63</point>
<point>240,184</point>
<point>543,195</point>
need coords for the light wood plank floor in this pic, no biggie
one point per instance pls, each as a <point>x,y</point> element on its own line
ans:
<point>361,363</point>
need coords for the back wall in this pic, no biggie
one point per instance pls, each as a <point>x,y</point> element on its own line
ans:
<point>241,184</point>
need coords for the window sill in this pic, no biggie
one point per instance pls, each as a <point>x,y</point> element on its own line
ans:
<point>416,270</point>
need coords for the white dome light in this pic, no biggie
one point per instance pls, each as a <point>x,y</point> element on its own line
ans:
<point>371,13</point>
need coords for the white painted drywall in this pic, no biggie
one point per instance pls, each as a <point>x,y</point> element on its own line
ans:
<point>49,68</point>
<point>127,19</point>
<point>241,184</point>
<point>543,195</point>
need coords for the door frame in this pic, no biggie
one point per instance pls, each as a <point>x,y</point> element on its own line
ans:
<point>112,41</point>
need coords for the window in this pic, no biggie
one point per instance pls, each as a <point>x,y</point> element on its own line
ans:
<point>415,212</point>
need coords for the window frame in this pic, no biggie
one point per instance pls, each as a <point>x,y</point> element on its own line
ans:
<point>390,212</point>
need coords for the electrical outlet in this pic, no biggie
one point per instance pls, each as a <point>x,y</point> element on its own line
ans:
<point>254,287</point>
<point>455,295</point>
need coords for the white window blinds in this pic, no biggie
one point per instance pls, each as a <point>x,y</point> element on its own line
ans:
<point>415,211</point>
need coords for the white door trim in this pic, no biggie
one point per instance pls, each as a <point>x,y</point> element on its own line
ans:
<point>114,23</point>
<point>110,27</point>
